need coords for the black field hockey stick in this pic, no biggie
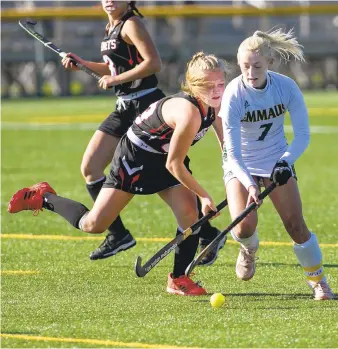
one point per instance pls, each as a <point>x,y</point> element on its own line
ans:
<point>28,26</point>
<point>170,246</point>
<point>219,237</point>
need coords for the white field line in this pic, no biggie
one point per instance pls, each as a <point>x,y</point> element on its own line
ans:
<point>83,126</point>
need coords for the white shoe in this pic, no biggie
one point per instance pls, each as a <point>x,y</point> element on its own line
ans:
<point>321,290</point>
<point>246,262</point>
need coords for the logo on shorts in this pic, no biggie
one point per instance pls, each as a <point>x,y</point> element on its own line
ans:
<point>228,175</point>
<point>138,189</point>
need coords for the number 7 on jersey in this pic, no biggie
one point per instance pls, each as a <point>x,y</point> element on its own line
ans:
<point>266,128</point>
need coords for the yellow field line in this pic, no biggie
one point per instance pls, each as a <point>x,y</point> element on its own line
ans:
<point>69,238</point>
<point>108,343</point>
<point>19,272</point>
<point>100,238</point>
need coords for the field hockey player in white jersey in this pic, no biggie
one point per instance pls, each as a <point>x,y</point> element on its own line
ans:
<point>256,151</point>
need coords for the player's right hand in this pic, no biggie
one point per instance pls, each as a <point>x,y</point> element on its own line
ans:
<point>207,205</point>
<point>68,62</point>
<point>253,195</point>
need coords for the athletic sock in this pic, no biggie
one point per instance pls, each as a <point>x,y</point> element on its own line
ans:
<point>117,228</point>
<point>184,253</point>
<point>94,187</point>
<point>309,256</point>
<point>250,242</point>
<point>70,210</point>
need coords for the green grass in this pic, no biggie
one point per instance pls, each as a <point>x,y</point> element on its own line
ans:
<point>92,302</point>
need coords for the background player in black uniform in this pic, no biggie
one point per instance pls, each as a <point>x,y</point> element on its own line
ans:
<point>131,59</point>
<point>152,158</point>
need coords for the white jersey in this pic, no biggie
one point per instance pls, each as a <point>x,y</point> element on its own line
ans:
<point>253,126</point>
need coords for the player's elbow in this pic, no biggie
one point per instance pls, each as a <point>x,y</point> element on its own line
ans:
<point>304,139</point>
<point>156,65</point>
<point>173,167</point>
<point>170,166</point>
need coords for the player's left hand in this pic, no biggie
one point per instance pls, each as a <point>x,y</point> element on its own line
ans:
<point>281,173</point>
<point>107,81</point>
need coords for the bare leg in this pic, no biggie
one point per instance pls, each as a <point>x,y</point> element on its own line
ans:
<point>98,155</point>
<point>245,232</point>
<point>107,207</point>
<point>183,204</point>
<point>96,158</point>
<point>237,197</point>
<point>287,202</point>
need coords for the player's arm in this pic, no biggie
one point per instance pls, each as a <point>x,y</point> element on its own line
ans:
<point>99,68</point>
<point>300,124</point>
<point>231,119</point>
<point>135,33</point>
<point>185,130</point>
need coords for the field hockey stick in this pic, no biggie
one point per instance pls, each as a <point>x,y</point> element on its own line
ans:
<point>28,26</point>
<point>219,237</point>
<point>164,251</point>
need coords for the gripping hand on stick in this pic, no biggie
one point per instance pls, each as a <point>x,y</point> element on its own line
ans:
<point>69,63</point>
<point>208,205</point>
<point>253,196</point>
<point>281,173</point>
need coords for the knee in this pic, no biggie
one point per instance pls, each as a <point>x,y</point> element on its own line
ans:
<point>90,172</point>
<point>86,171</point>
<point>245,229</point>
<point>91,225</point>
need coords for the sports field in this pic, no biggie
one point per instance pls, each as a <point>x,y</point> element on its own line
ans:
<point>54,296</point>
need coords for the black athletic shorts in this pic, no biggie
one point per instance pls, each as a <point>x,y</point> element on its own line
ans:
<point>137,171</point>
<point>118,122</point>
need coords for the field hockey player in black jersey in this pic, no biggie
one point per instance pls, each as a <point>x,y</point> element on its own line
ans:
<point>152,158</point>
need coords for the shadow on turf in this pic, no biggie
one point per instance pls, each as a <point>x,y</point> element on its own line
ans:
<point>280,296</point>
<point>257,294</point>
<point>20,332</point>
<point>276,264</point>
<point>295,265</point>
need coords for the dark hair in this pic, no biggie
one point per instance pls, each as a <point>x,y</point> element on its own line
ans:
<point>132,5</point>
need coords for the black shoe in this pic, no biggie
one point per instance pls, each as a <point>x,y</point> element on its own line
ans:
<point>211,256</point>
<point>110,246</point>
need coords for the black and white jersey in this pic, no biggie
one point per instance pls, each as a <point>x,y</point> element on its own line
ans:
<point>121,57</point>
<point>153,131</point>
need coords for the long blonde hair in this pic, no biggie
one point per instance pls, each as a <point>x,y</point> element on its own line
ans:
<point>194,82</point>
<point>270,44</point>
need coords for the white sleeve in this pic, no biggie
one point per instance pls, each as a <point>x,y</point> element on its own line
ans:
<point>231,116</point>
<point>300,125</point>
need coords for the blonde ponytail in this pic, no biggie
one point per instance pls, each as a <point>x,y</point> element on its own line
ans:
<point>284,44</point>
<point>200,62</point>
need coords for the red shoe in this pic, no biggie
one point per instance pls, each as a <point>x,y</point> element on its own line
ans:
<point>184,286</point>
<point>29,198</point>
